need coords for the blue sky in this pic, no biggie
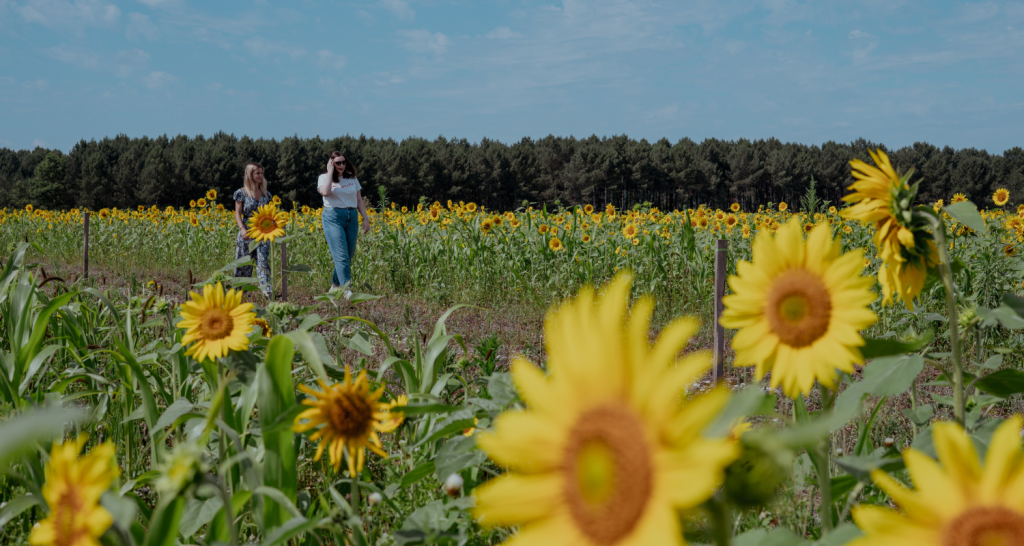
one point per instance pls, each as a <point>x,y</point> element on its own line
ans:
<point>892,71</point>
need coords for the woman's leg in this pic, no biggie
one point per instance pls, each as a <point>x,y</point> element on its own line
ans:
<point>351,234</point>
<point>241,251</point>
<point>333,233</point>
<point>263,267</point>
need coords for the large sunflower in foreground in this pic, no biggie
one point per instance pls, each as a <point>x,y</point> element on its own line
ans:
<point>957,500</point>
<point>216,321</point>
<point>609,448</point>
<point>72,492</point>
<point>799,308</point>
<point>267,224</point>
<point>883,197</point>
<point>346,415</point>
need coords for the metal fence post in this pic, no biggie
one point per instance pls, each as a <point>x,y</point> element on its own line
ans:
<point>284,271</point>
<point>721,258</point>
<point>85,247</point>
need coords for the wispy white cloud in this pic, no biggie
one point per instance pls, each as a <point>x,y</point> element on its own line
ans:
<point>399,8</point>
<point>129,61</point>
<point>75,55</point>
<point>264,49</point>
<point>502,33</point>
<point>157,80</point>
<point>139,26</point>
<point>40,143</point>
<point>330,60</point>
<point>424,41</point>
<point>67,15</point>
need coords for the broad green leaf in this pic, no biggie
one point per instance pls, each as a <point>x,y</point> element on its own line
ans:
<point>418,473</point>
<point>277,396</point>
<point>24,430</point>
<point>1002,383</point>
<point>875,348</point>
<point>967,214</point>
<point>180,407</point>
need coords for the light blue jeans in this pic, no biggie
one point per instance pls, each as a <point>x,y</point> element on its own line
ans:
<point>341,227</point>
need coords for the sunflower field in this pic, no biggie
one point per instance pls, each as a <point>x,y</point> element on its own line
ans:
<point>872,394</point>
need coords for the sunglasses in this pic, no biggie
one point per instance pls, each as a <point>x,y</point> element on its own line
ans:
<point>339,163</point>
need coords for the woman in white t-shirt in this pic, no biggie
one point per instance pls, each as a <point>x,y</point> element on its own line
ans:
<point>343,198</point>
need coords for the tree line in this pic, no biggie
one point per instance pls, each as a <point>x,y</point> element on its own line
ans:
<point>126,172</point>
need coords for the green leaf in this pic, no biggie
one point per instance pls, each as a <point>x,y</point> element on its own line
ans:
<point>299,268</point>
<point>886,376</point>
<point>1002,383</point>
<point>967,214</point>
<point>749,401</point>
<point>180,407</point>
<point>312,353</point>
<point>501,388</point>
<point>418,473</point>
<point>163,526</point>
<point>843,534</point>
<point>277,396</point>
<point>861,466</point>
<point>875,348</point>
<point>993,362</point>
<point>292,528</point>
<point>1003,315</point>
<point>16,506</point>
<point>22,432</point>
<point>920,416</point>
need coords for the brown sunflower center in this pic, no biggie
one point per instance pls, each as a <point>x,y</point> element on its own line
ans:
<point>350,415</point>
<point>988,526</point>
<point>66,527</point>
<point>216,324</point>
<point>799,307</point>
<point>608,473</point>
<point>267,225</point>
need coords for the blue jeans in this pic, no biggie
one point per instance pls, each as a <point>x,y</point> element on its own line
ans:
<point>341,227</point>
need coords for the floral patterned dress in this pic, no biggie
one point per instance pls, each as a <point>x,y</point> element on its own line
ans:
<point>261,254</point>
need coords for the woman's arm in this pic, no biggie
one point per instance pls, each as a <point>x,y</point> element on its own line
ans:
<point>362,211</point>
<point>325,188</point>
<point>238,217</point>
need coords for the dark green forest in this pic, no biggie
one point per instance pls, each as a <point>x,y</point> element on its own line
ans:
<point>126,172</point>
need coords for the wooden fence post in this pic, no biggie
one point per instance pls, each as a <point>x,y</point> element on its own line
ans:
<point>284,271</point>
<point>721,258</point>
<point>85,249</point>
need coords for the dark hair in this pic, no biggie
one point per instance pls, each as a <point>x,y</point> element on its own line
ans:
<point>350,169</point>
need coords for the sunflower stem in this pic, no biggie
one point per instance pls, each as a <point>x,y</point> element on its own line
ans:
<point>823,468</point>
<point>721,520</point>
<point>946,273</point>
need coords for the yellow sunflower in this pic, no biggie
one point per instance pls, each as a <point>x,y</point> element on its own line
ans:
<point>630,231</point>
<point>267,224</point>
<point>556,244</point>
<point>609,448</point>
<point>735,207</point>
<point>347,417</point>
<point>29,208</point>
<point>589,209</point>
<point>211,195</point>
<point>883,197</point>
<point>543,229</point>
<point>1010,250</point>
<point>1001,196</point>
<point>262,325</point>
<point>201,202</point>
<point>486,226</point>
<point>395,418</point>
<point>958,198</point>
<point>731,220</point>
<point>218,322</point>
<point>799,308</point>
<point>585,238</point>
<point>783,206</point>
<point>957,500</point>
<point>470,207</point>
<point>72,492</point>
<point>277,201</point>
<point>191,203</point>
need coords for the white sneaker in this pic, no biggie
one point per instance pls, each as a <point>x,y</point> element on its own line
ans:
<point>348,294</point>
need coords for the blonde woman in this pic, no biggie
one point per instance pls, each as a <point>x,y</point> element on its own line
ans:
<point>250,197</point>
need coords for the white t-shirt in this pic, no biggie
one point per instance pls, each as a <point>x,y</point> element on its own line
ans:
<point>343,192</point>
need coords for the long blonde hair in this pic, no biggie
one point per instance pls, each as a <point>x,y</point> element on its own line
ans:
<point>250,184</point>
